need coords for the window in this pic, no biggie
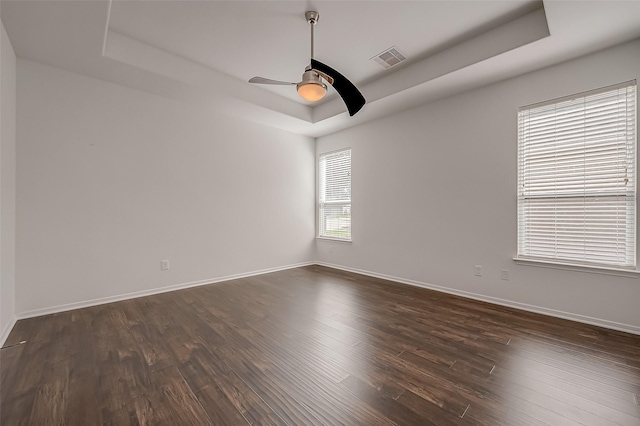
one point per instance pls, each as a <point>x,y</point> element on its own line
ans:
<point>576,179</point>
<point>334,195</point>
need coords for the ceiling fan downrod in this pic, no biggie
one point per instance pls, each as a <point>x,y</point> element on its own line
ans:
<point>312,18</point>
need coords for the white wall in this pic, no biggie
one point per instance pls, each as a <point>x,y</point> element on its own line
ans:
<point>112,180</point>
<point>434,193</point>
<point>7,184</point>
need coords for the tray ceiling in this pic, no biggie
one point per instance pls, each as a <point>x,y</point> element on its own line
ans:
<point>205,51</point>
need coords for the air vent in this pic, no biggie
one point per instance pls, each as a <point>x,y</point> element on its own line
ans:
<point>389,57</point>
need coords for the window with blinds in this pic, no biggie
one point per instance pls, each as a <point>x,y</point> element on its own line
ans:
<point>334,195</point>
<point>577,179</point>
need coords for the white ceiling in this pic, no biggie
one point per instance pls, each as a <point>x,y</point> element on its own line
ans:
<point>205,51</point>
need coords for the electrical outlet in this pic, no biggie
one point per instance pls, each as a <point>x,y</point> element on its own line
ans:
<point>478,270</point>
<point>504,275</point>
<point>164,265</point>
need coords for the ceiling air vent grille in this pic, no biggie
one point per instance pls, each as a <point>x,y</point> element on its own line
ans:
<point>390,57</point>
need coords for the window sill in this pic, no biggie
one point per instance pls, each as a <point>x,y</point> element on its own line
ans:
<point>339,240</point>
<point>592,269</point>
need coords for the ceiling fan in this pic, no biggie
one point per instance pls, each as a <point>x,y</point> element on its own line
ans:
<point>312,88</point>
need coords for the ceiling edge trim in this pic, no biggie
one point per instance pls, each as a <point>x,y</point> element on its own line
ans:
<point>516,33</point>
<point>127,50</point>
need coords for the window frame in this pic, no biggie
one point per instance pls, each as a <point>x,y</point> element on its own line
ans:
<point>566,262</point>
<point>320,204</point>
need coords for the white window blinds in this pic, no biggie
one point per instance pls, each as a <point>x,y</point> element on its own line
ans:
<point>334,191</point>
<point>577,178</point>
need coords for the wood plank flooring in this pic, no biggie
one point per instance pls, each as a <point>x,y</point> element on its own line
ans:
<point>315,346</point>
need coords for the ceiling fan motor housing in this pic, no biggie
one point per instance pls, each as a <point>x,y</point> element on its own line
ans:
<point>311,77</point>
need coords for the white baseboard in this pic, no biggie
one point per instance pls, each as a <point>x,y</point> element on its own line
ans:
<point>628,328</point>
<point>150,292</point>
<point>7,330</point>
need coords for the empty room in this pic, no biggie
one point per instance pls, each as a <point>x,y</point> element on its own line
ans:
<point>319,213</point>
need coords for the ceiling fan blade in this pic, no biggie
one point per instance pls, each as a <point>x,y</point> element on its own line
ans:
<point>351,96</point>
<point>262,80</point>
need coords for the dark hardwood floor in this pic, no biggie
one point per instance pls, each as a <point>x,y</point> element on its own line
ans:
<point>315,346</point>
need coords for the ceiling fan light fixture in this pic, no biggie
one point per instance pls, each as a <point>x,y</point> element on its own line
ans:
<point>312,92</point>
<point>311,88</point>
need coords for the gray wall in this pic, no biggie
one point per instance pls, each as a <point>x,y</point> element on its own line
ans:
<point>7,184</point>
<point>434,193</point>
<point>113,180</point>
